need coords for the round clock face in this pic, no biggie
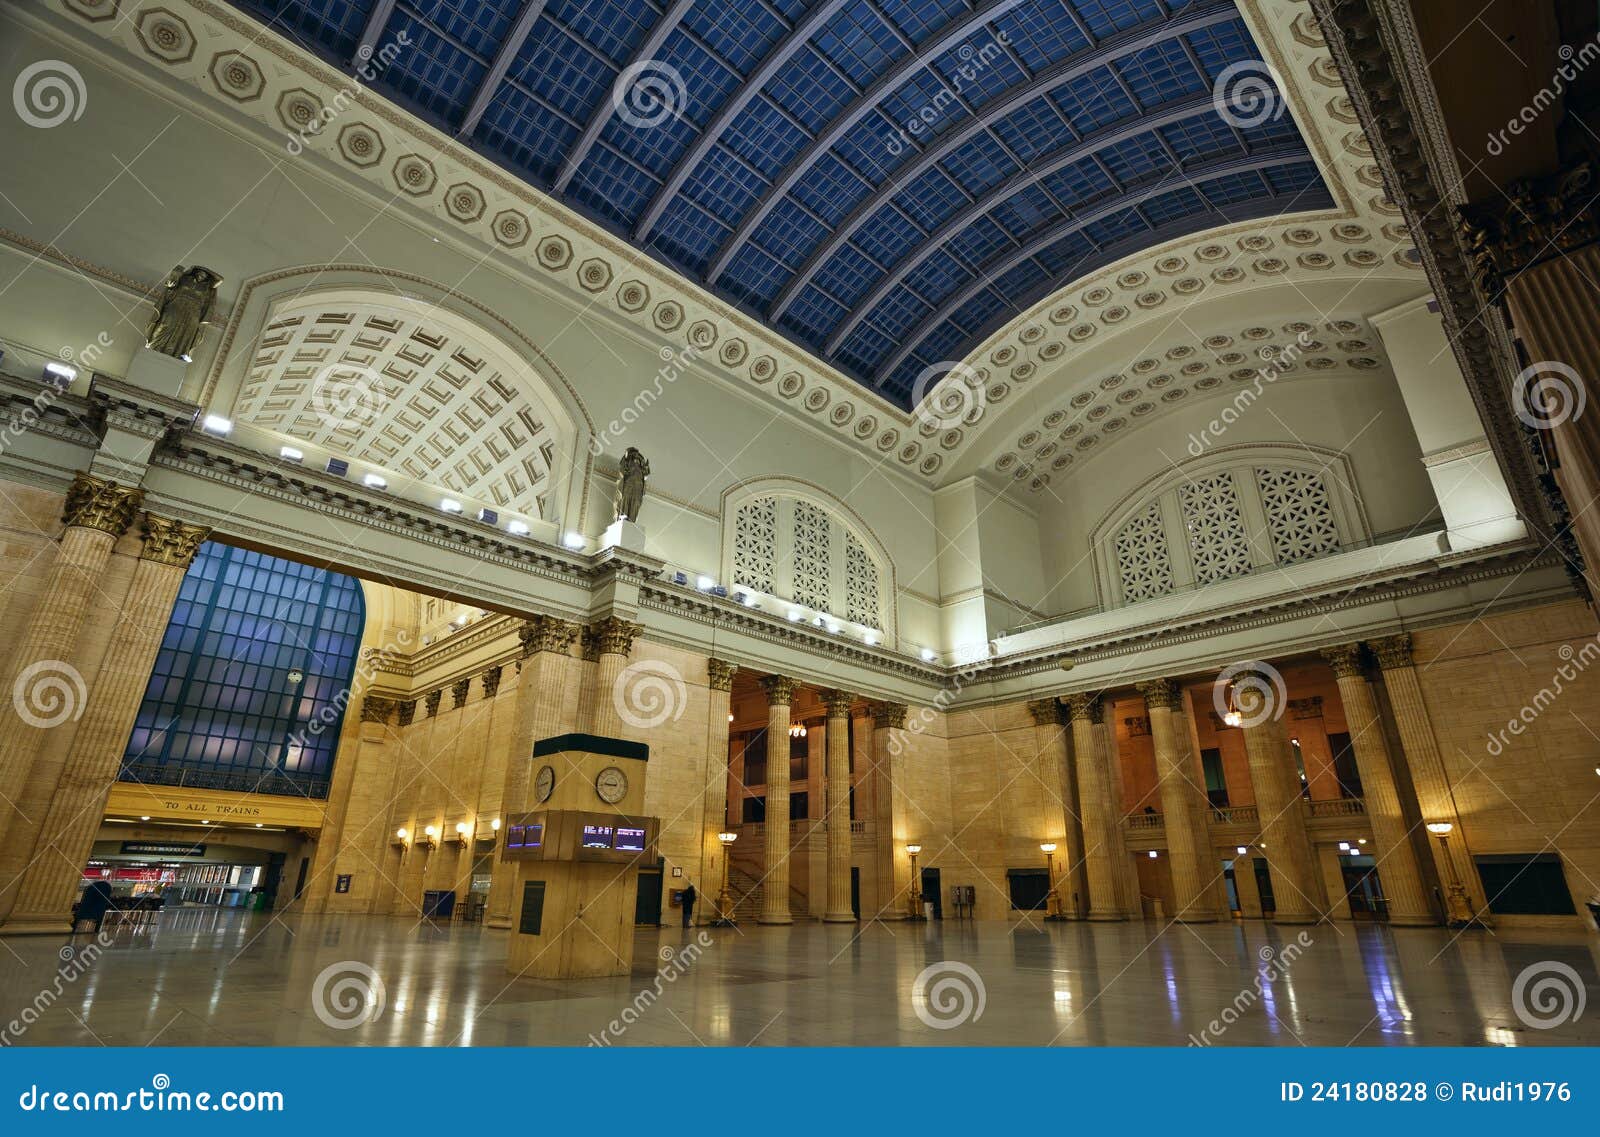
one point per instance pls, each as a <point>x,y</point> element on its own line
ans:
<point>544,783</point>
<point>611,784</point>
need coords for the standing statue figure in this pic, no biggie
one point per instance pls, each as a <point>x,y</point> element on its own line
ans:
<point>182,309</point>
<point>634,469</point>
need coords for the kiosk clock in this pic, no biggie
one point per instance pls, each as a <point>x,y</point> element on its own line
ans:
<point>611,784</point>
<point>544,784</point>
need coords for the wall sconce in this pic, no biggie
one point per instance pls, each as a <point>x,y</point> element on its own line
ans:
<point>401,839</point>
<point>460,837</point>
<point>430,837</point>
<point>495,825</point>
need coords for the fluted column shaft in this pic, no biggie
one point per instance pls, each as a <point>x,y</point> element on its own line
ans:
<point>714,796</point>
<point>613,640</point>
<point>775,878</point>
<point>893,866</point>
<point>73,777</point>
<point>1396,852</point>
<point>839,909</point>
<point>358,846</point>
<point>1188,848</point>
<point>1059,821</point>
<point>1102,836</point>
<point>1296,883</point>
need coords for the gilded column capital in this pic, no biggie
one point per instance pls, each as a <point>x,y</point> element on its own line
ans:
<point>1045,712</point>
<point>169,542</point>
<point>1392,651</point>
<point>720,674</point>
<point>838,702</point>
<point>889,716</point>
<point>1160,693</point>
<point>459,691</point>
<point>546,633</point>
<point>491,681</point>
<point>377,708</point>
<point>99,503</point>
<point>614,636</point>
<point>1086,705</point>
<point>779,689</point>
<point>1534,220</point>
<point>431,701</point>
<point>1345,659</point>
<point>406,712</point>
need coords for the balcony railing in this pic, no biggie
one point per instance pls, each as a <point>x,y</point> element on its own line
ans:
<point>1144,821</point>
<point>1339,807</point>
<point>233,781</point>
<point>1235,815</point>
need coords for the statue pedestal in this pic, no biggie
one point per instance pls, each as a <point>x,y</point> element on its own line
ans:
<point>623,534</point>
<point>156,372</point>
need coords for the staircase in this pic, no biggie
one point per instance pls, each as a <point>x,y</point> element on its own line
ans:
<point>747,892</point>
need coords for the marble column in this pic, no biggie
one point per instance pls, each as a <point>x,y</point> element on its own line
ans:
<point>893,864</point>
<point>390,861</point>
<point>1188,845</point>
<point>714,810</point>
<point>72,778</point>
<point>46,690</point>
<point>775,878</point>
<point>415,816</point>
<point>1296,885</point>
<point>1058,820</point>
<point>1244,883</point>
<point>614,641</point>
<point>541,680</point>
<point>1436,799</point>
<point>1329,859</point>
<point>838,809</point>
<point>1393,847</point>
<point>1102,827</point>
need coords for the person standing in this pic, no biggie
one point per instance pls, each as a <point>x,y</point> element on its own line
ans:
<point>688,899</point>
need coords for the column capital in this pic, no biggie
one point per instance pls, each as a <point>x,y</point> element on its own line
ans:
<point>546,633</point>
<point>1045,712</point>
<point>1087,705</point>
<point>406,711</point>
<point>1533,220</point>
<point>430,701</point>
<point>838,702</point>
<point>889,716</point>
<point>169,542</point>
<point>99,503</point>
<point>613,635</point>
<point>719,674</point>
<point>491,681</point>
<point>377,708</point>
<point>459,690</point>
<point>1392,651</point>
<point>1161,694</point>
<point>1345,659</point>
<point>779,689</point>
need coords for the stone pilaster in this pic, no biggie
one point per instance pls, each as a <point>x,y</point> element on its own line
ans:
<point>714,798</point>
<point>1059,820</point>
<point>838,810</point>
<point>1296,883</point>
<point>364,834</point>
<point>1391,835</point>
<point>889,809</point>
<point>1103,847</point>
<point>1188,845</point>
<point>68,790</point>
<point>775,878</point>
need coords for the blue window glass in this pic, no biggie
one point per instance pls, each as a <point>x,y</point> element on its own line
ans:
<point>249,688</point>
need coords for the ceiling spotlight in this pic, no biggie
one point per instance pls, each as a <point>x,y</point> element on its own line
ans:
<point>704,583</point>
<point>450,505</point>
<point>59,374</point>
<point>290,454</point>
<point>794,615</point>
<point>517,528</point>
<point>1153,854</point>
<point>929,655</point>
<point>146,817</point>
<point>375,482</point>
<point>216,424</point>
<point>574,541</point>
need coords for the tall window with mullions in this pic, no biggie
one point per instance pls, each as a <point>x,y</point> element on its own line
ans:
<point>249,687</point>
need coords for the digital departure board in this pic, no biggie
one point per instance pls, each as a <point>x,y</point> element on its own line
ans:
<point>598,836</point>
<point>629,840</point>
<point>524,836</point>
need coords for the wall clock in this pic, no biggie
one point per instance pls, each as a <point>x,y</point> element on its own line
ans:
<point>611,784</point>
<point>544,783</point>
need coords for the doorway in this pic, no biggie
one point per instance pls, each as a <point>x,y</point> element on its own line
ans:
<point>930,892</point>
<point>1364,889</point>
<point>647,908</point>
<point>855,891</point>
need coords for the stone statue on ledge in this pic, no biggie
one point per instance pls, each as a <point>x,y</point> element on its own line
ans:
<point>633,469</point>
<point>182,309</point>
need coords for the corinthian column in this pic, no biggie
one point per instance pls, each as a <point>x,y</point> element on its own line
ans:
<point>1436,797</point>
<point>536,714</point>
<point>775,880</point>
<point>46,690</point>
<point>1102,834</point>
<point>1391,837</point>
<point>1188,847</point>
<point>65,798</point>
<point>613,639</point>
<point>1296,884</point>
<point>838,813</point>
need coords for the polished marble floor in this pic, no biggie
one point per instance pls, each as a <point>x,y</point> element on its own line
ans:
<point>213,978</point>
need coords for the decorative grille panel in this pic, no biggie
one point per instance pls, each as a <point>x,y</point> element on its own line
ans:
<point>755,544</point>
<point>812,536</point>
<point>1214,522</point>
<point>1142,557</point>
<point>1299,514</point>
<point>861,584</point>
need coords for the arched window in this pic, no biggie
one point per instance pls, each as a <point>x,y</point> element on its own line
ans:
<point>250,685</point>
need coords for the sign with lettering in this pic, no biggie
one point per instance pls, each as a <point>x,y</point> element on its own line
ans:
<point>153,849</point>
<point>180,803</point>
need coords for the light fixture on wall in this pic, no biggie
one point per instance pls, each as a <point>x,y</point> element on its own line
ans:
<point>59,374</point>
<point>291,454</point>
<point>516,528</point>
<point>1458,906</point>
<point>216,424</point>
<point>1052,902</point>
<point>929,655</point>
<point>296,677</point>
<point>450,505</point>
<point>461,834</point>
<point>495,825</point>
<point>430,837</point>
<point>574,541</point>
